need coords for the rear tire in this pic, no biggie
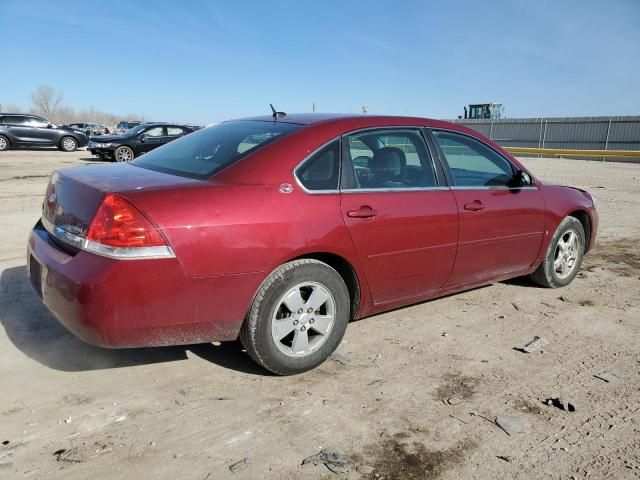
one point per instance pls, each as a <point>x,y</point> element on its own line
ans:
<point>298,317</point>
<point>68,144</point>
<point>4,143</point>
<point>564,255</point>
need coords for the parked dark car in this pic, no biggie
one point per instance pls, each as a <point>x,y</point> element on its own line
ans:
<point>136,141</point>
<point>125,125</point>
<point>281,230</point>
<point>89,129</point>
<point>19,130</point>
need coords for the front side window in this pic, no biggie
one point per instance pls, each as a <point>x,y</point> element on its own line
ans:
<point>472,163</point>
<point>36,122</point>
<point>389,159</point>
<point>204,153</point>
<point>321,170</point>
<point>155,132</point>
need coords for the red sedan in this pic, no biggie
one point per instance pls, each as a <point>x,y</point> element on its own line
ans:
<point>279,230</point>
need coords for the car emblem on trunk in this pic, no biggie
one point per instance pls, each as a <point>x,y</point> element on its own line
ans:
<point>286,188</point>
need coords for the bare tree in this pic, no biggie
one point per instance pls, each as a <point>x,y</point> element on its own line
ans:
<point>9,108</point>
<point>46,100</point>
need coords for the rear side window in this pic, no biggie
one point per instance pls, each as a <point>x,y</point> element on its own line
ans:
<point>321,170</point>
<point>174,131</point>
<point>472,163</point>
<point>14,120</point>
<point>205,152</point>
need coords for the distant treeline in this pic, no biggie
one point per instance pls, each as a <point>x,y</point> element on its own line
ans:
<point>47,102</point>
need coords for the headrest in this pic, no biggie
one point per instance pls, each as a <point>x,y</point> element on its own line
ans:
<point>389,160</point>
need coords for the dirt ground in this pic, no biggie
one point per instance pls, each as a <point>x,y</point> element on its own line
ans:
<point>72,411</point>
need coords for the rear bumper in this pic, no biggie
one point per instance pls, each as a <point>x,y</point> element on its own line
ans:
<point>135,303</point>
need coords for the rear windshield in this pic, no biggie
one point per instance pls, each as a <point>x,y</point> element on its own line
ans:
<point>204,153</point>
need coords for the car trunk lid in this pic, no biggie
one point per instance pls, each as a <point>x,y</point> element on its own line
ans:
<point>74,195</point>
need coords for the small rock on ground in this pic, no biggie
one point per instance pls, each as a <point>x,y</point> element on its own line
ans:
<point>511,425</point>
<point>334,460</point>
<point>566,405</point>
<point>536,344</point>
<point>609,376</point>
<point>365,469</point>
<point>341,358</point>
<point>241,465</point>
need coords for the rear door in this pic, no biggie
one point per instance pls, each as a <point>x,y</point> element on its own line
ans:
<point>401,217</point>
<point>174,132</point>
<point>17,126</point>
<point>501,225</point>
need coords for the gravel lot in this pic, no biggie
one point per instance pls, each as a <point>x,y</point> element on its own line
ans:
<point>72,411</point>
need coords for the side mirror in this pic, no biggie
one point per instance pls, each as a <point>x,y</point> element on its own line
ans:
<point>49,125</point>
<point>143,138</point>
<point>523,179</point>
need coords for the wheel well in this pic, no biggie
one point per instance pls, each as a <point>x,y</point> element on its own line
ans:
<point>346,271</point>
<point>583,218</point>
<point>6,138</point>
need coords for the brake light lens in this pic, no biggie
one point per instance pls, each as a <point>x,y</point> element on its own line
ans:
<point>117,223</point>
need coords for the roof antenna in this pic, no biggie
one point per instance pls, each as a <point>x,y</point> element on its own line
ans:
<point>277,114</point>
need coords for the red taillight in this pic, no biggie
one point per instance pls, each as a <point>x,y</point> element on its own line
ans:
<point>119,224</point>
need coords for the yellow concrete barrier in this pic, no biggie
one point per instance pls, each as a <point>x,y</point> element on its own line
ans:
<point>573,152</point>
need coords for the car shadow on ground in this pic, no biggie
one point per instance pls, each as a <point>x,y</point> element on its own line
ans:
<point>38,335</point>
<point>48,148</point>
<point>94,159</point>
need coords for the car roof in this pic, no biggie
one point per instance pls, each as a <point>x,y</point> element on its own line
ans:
<point>351,118</point>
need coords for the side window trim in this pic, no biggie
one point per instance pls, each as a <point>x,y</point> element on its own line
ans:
<point>447,168</point>
<point>347,167</point>
<point>294,173</point>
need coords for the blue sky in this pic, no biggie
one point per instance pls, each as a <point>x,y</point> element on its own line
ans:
<point>205,61</point>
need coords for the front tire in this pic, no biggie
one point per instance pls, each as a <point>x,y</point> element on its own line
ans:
<point>68,144</point>
<point>4,143</point>
<point>297,318</point>
<point>564,255</point>
<point>123,154</point>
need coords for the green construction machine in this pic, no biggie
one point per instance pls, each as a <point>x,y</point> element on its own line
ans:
<point>492,111</point>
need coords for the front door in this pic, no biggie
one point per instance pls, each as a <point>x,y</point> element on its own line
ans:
<point>152,139</point>
<point>501,225</point>
<point>402,221</point>
<point>42,132</point>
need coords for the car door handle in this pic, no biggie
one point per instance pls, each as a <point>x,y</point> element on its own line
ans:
<point>474,206</point>
<point>364,211</point>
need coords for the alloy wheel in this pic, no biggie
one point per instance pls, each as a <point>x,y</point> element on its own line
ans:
<point>303,319</point>
<point>124,155</point>
<point>69,144</point>
<point>3,143</point>
<point>566,254</point>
